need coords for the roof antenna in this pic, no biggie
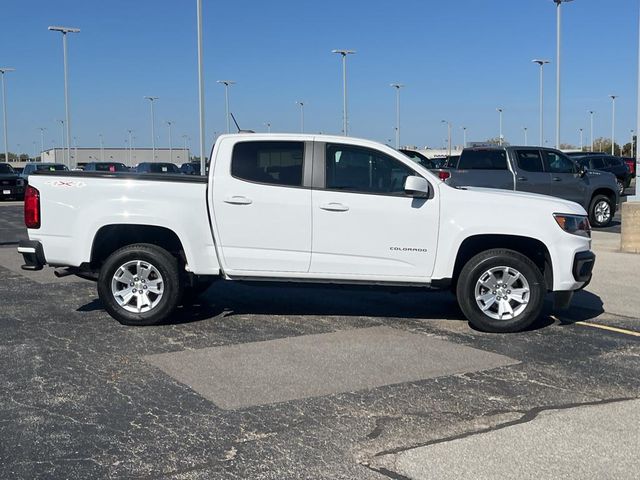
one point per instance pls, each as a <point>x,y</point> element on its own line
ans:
<point>238,126</point>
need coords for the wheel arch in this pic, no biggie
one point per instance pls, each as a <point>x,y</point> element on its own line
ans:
<point>110,238</point>
<point>532,248</point>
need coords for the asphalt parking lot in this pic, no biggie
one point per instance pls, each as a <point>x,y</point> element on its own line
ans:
<point>300,381</point>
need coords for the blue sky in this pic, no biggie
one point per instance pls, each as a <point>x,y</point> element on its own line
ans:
<point>459,60</point>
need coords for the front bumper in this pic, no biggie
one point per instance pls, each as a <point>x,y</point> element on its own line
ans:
<point>33,254</point>
<point>583,263</point>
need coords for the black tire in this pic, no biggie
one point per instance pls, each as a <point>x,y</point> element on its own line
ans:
<point>477,268</point>
<point>171,284</point>
<point>596,202</point>
<point>621,186</point>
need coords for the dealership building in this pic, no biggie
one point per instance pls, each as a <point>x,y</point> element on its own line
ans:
<point>123,155</point>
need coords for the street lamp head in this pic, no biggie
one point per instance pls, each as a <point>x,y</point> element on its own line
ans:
<point>7,69</point>
<point>151,98</point>
<point>558,2</point>
<point>226,82</point>
<point>344,53</point>
<point>499,110</point>
<point>540,61</point>
<point>613,97</point>
<point>397,85</point>
<point>64,29</point>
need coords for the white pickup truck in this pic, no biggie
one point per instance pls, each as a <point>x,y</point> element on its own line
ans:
<point>306,208</point>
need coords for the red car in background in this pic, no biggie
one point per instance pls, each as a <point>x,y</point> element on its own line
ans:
<point>631,163</point>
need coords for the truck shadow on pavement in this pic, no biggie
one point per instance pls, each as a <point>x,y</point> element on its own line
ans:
<point>227,299</point>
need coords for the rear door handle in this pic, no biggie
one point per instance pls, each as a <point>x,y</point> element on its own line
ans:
<point>522,179</point>
<point>334,207</point>
<point>238,200</point>
<point>557,179</point>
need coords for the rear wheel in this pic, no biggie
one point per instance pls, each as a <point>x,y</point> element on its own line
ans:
<point>501,291</point>
<point>601,211</point>
<point>140,284</point>
<point>621,186</point>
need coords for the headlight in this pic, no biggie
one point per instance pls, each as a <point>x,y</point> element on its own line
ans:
<point>574,224</point>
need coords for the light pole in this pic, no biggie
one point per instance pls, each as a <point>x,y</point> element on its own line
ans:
<point>345,121</point>
<point>558,64</point>
<point>542,63</point>
<point>62,135</point>
<point>631,152</point>
<point>4,111</point>
<point>526,139</point>
<point>613,122</point>
<point>101,147</point>
<point>130,146</point>
<point>64,31</point>
<point>203,162</point>
<point>42,129</point>
<point>75,149</point>
<point>397,86</point>
<point>301,103</point>
<point>591,112</point>
<point>153,128</point>
<point>581,140</point>
<point>499,110</point>
<point>226,84</point>
<point>464,137</point>
<point>35,150</point>
<point>170,144</point>
<point>448,135</point>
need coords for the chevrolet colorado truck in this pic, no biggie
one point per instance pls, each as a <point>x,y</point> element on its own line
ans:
<point>306,208</point>
<point>537,170</point>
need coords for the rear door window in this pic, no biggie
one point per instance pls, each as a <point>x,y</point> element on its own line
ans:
<point>274,163</point>
<point>529,160</point>
<point>597,163</point>
<point>483,160</point>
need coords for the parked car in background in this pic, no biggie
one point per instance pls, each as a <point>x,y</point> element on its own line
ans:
<point>631,163</point>
<point>536,170</point>
<point>18,170</point>
<point>11,184</point>
<point>105,167</point>
<point>190,168</point>
<point>419,158</point>
<point>157,167</point>
<point>611,164</point>
<point>29,168</point>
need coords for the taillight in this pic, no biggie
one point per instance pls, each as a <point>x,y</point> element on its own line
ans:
<point>443,175</point>
<point>32,207</point>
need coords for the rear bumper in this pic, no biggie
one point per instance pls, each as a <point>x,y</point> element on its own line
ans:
<point>11,191</point>
<point>583,263</point>
<point>33,254</point>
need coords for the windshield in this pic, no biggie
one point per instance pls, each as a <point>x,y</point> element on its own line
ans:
<point>163,168</point>
<point>6,169</point>
<point>52,168</point>
<point>111,167</point>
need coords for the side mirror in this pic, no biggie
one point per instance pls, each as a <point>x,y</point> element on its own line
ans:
<point>416,186</point>
<point>582,170</point>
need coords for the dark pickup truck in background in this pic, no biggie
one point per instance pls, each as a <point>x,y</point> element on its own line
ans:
<point>536,170</point>
<point>11,183</point>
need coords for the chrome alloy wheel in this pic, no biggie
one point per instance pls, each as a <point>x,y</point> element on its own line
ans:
<point>502,293</point>
<point>602,212</point>
<point>137,286</point>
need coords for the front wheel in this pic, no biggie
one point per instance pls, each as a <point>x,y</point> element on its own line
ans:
<point>601,211</point>
<point>501,291</point>
<point>140,284</point>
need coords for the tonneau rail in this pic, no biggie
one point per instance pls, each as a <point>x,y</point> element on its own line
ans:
<point>157,177</point>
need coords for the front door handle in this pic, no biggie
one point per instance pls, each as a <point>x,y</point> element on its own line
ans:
<point>522,179</point>
<point>238,200</point>
<point>557,179</point>
<point>334,207</point>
